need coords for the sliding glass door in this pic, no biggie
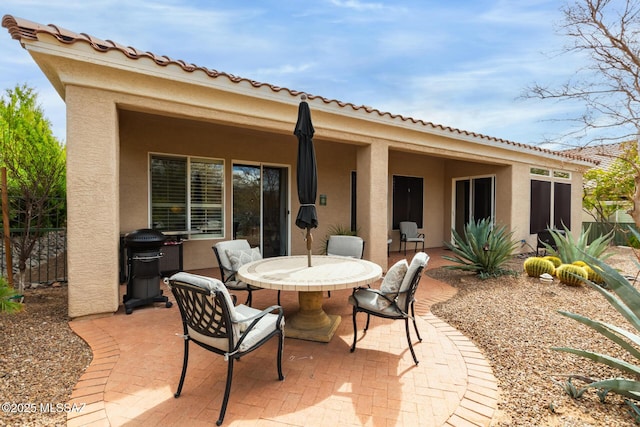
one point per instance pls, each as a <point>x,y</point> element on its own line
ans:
<point>261,207</point>
<point>474,199</point>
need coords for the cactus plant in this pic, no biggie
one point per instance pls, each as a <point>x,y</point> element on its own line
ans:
<point>535,266</point>
<point>554,259</point>
<point>591,273</point>
<point>571,274</point>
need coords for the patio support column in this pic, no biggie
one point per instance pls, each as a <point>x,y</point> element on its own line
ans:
<point>372,183</point>
<point>92,201</point>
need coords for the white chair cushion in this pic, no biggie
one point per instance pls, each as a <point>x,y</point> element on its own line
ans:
<point>240,257</point>
<point>392,281</point>
<point>419,260</point>
<point>350,246</point>
<point>222,248</point>
<point>238,315</point>
<point>209,283</point>
<point>370,300</point>
<point>409,229</point>
<point>264,327</point>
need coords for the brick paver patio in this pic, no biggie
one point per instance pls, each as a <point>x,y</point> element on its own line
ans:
<point>138,358</point>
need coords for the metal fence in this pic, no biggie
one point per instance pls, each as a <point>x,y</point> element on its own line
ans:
<point>48,260</point>
<point>621,233</point>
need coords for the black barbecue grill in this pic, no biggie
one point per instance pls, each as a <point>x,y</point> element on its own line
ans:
<point>143,261</point>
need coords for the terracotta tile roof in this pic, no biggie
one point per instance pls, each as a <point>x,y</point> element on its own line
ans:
<point>604,154</point>
<point>23,29</point>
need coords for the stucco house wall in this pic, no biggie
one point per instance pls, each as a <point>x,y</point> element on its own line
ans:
<point>124,104</point>
<point>431,169</point>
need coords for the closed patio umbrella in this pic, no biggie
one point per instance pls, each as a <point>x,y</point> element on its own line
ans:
<point>307,174</point>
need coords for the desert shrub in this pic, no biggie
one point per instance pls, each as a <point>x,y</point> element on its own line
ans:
<point>483,249</point>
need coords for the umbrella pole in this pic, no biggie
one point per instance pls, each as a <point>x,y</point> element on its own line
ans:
<point>309,240</point>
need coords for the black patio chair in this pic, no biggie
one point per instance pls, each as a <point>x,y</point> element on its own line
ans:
<point>211,320</point>
<point>231,254</point>
<point>395,298</point>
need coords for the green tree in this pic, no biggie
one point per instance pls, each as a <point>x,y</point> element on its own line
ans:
<point>36,174</point>
<point>608,190</point>
<point>605,32</point>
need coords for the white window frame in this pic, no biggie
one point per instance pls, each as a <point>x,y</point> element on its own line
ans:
<point>193,233</point>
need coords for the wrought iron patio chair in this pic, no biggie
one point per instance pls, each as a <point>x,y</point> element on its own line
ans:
<point>231,254</point>
<point>409,233</point>
<point>395,298</point>
<point>211,320</point>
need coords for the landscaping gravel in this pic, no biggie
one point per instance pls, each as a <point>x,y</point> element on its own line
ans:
<point>41,360</point>
<point>513,320</point>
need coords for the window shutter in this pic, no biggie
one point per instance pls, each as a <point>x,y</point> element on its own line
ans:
<point>540,206</point>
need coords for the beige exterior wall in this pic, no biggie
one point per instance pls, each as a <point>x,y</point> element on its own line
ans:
<point>121,109</point>
<point>372,201</point>
<point>431,169</point>
<point>92,202</point>
<point>521,196</point>
<point>142,134</point>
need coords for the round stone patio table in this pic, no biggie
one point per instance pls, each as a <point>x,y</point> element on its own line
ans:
<point>327,273</point>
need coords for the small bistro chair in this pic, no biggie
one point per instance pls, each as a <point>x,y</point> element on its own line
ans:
<point>395,298</point>
<point>211,320</point>
<point>231,255</point>
<point>409,233</point>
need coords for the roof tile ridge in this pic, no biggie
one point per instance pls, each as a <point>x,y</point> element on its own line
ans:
<point>22,28</point>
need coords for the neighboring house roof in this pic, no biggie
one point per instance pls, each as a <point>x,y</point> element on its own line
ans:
<point>605,154</point>
<point>24,29</point>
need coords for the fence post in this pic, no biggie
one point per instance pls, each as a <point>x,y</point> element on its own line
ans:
<point>7,232</point>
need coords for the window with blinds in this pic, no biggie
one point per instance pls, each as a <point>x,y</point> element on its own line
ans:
<point>207,184</point>
<point>187,194</point>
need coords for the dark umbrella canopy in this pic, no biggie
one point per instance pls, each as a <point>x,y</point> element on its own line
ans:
<point>307,174</point>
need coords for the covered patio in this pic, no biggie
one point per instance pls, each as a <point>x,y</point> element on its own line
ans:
<point>137,362</point>
<point>134,118</point>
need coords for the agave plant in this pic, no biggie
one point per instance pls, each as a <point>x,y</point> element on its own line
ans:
<point>626,300</point>
<point>570,250</point>
<point>483,249</point>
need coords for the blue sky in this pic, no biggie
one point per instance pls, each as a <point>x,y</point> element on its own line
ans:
<point>463,64</point>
